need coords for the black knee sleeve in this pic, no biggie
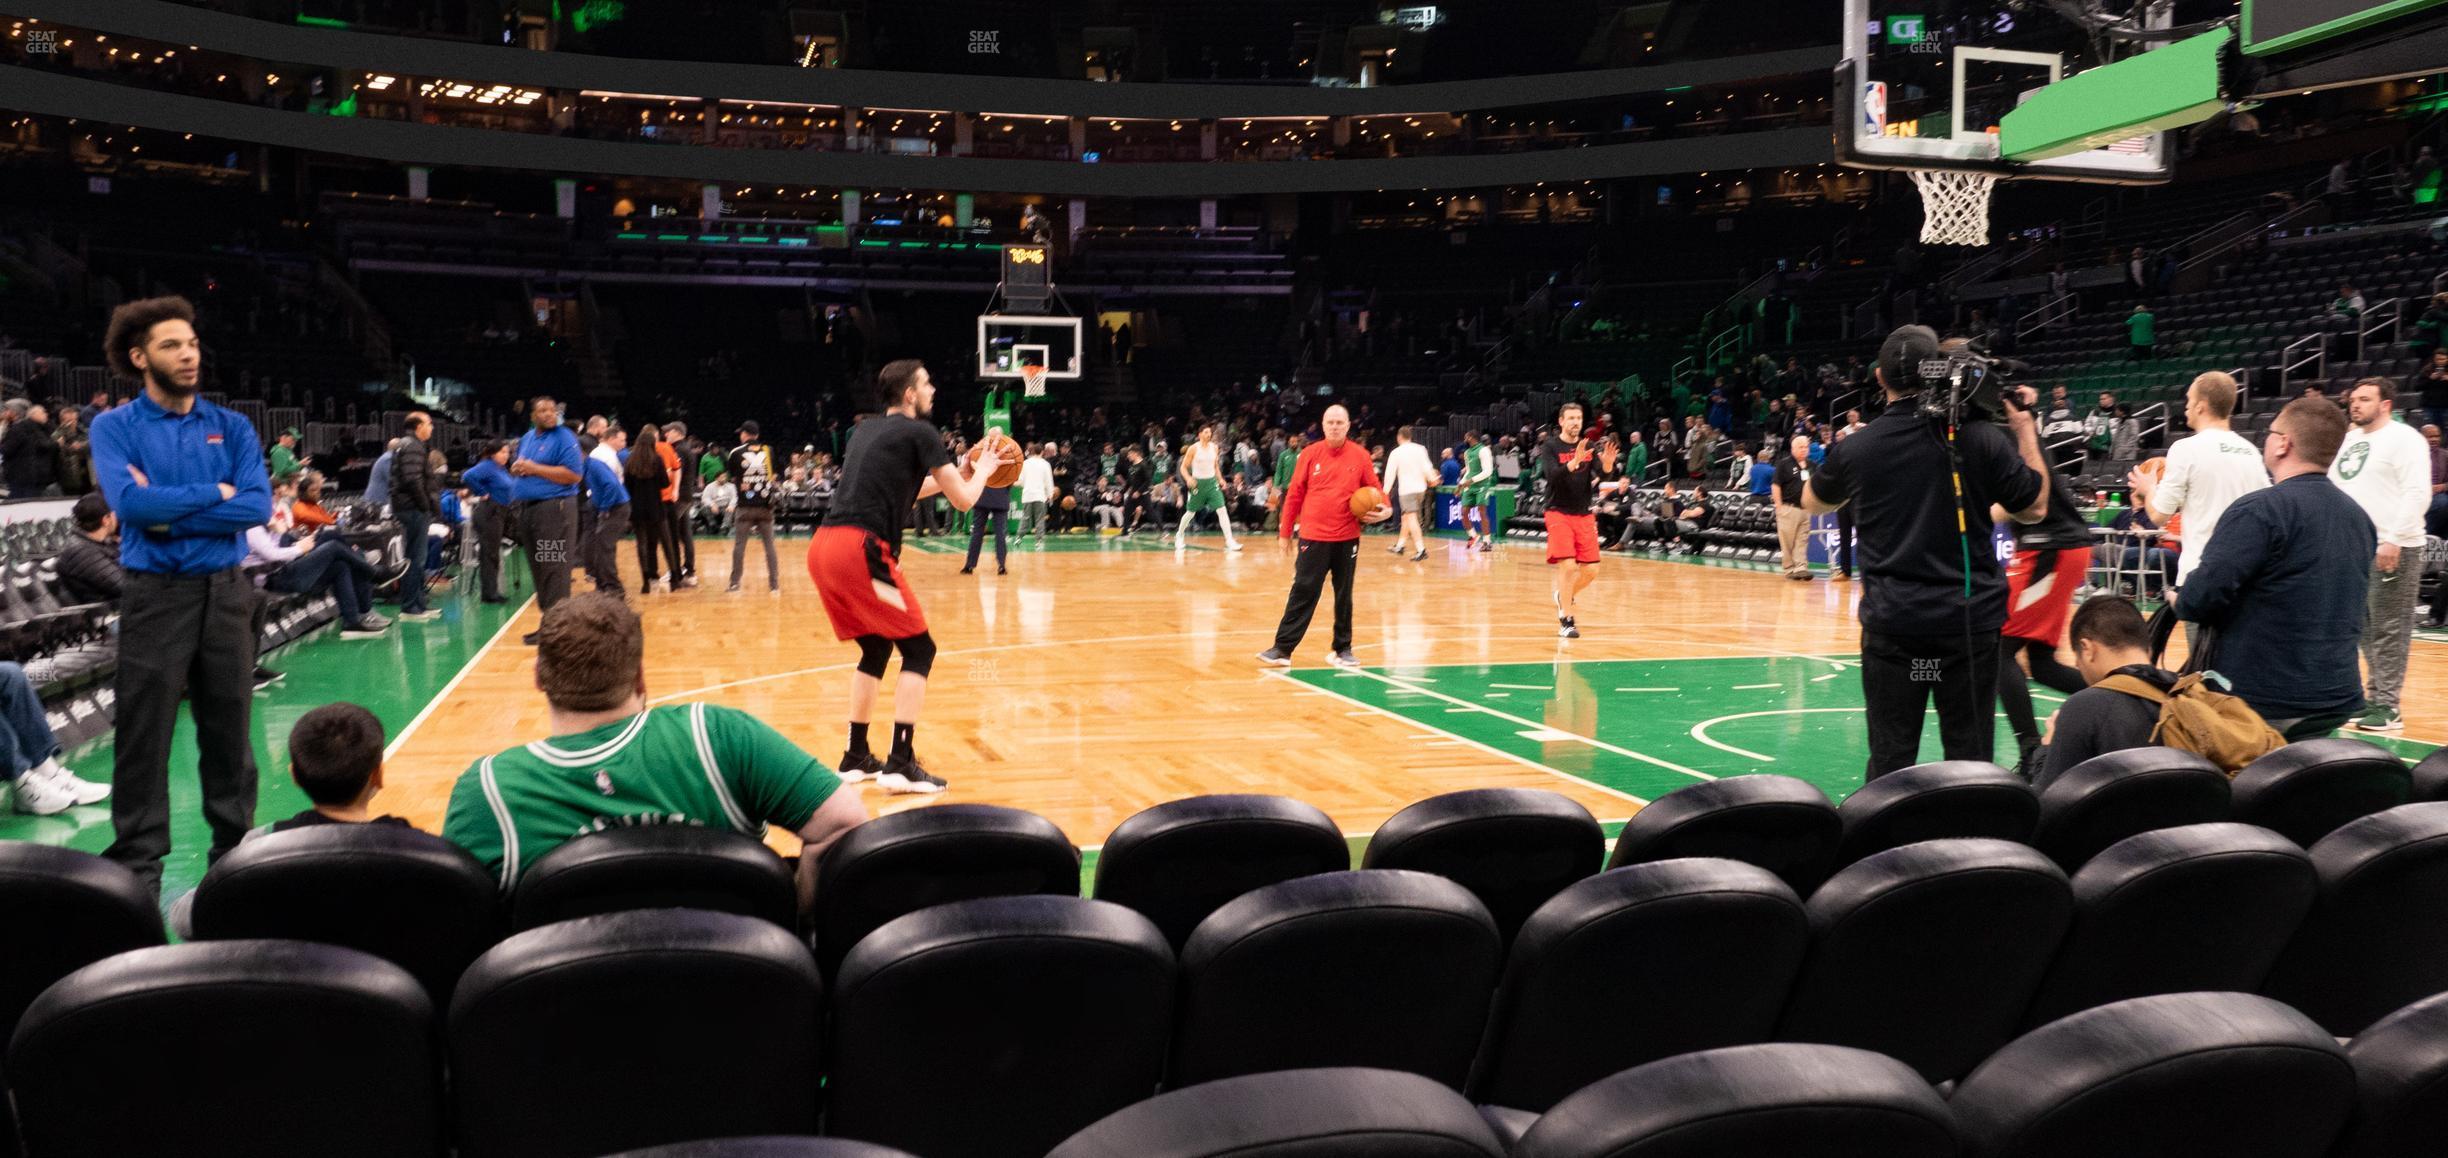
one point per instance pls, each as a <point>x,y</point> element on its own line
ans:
<point>874,652</point>
<point>918,655</point>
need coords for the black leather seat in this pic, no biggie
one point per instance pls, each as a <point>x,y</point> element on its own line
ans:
<point>408,897</point>
<point>2307,789</point>
<point>634,1028</point>
<point>2401,1084</point>
<point>1019,1020</point>
<point>2229,1074</point>
<point>1930,953</point>
<point>1513,848</point>
<point>1346,1113</point>
<point>2202,909</point>
<point>767,1147</point>
<point>1601,978</point>
<point>1181,860</point>
<point>257,1048</point>
<point>2375,940</point>
<point>1785,1099</point>
<point>1378,967</point>
<point>2115,795</point>
<point>65,910</point>
<point>662,866</point>
<point>1779,823</point>
<point>1950,798</point>
<point>907,861</point>
<point>2431,777</point>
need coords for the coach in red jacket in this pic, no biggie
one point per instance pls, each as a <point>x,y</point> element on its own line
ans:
<point>1317,507</point>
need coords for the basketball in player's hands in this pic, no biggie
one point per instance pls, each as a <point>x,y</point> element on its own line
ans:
<point>1006,454</point>
<point>1365,500</point>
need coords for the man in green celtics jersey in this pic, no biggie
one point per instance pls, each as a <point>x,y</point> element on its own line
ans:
<point>1284,463</point>
<point>1203,487</point>
<point>1478,490</point>
<point>612,762</point>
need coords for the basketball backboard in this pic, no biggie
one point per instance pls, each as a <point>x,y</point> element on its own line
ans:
<point>1006,342</point>
<point>1924,84</point>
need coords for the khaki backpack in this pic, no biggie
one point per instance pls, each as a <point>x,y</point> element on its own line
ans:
<point>2193,718</point>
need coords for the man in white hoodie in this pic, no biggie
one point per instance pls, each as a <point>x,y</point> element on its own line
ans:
<point>2205,473</point>
<point>1036,490</point>
<point>2385,467</point>
<point>1412,478</point>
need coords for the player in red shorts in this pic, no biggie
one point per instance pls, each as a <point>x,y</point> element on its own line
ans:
<point>2050,559</point>
<point>1572,530</point>
<point>894,459</point>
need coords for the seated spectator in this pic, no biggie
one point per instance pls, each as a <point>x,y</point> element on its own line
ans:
<point>1738,469</point>
<point>2110,637</point>
<point>1686,516</point>
<point>308,511</point>
<point>89,566</point>
<point>1759,476</point>
<point>29,755</point>
<point>2142,566</point>
<point>308,567</point>
<point>717,502</point>
<point>613,762</point>
<point>1109,498</point>
<point>2281,586</point>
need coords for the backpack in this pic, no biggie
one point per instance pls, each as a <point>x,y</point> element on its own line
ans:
<point>2212,724</point>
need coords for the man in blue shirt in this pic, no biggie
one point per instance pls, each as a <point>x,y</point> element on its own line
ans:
<point>488,479</point>
<point>186,479</point>
<point>377,493</point>
<point>544,473</point>
<point>608,497</point>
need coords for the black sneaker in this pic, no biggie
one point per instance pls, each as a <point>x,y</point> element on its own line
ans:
<point>909,778</point>
<point>2029,765</point>
<point>530,638</point>
<point>859,767</point>
<point>1565,628</point>
<point>265,677</point>
<point>1274,657</point>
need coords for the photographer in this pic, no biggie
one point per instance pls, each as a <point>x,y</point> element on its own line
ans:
<point>1933,597</point>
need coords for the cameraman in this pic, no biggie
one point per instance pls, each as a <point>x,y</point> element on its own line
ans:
<point>1928,627</point>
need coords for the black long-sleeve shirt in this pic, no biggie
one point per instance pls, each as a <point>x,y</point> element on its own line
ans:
<point>2096,720</point>
<point>2282,584</point>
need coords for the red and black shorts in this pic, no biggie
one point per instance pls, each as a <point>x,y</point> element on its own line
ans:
<point>2040,588</point>
<point>861,582</point>
<point>1573,537</point>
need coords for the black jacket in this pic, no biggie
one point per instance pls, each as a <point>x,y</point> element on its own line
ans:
<point>29,457</point>
<point>90,571</point>
<point>413,485</point>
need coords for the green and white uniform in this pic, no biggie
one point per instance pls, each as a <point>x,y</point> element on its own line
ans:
<point>1478,475</point>
<point>1206,491</point>
<point>697,764</point>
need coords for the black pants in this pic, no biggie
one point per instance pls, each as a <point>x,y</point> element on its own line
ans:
<point>488,517</point>
<point>977,535</point>
<point>414,528</point>
<point>603,550</point>
<point>681,540</point>
<point>2014,692</point>
<point>653,536</point>
<point>545,530</point>
<point>1843,554</point>
<point>753,521</point>
<point>1902,674</point>
<point>197,640</point>
<point>1315,564</point>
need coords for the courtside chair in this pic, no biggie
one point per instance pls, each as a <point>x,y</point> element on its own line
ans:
<point>2305,790</point>
<point>2201,909</point>
<point>906,861</point>
<point>1602,977</point>
<point>1950,798</point>
<point>662,866</point>
<point>1786,1099</point>
<point>2401,1084</point>
<point>1930,953</point>
<point>997,1026</point>
<point>2431,776</point>
<point>1780,823</point>
<point>634,1028</point>
<point>2376,938</point>
<point>262,1049</point>
<point>408,897</point>
<point>1181,860</point>
<point>2115,795</point>
<point>1380,967</point>
<point>1513,848</point>
<point>2229,1074</point>
<point>767,1147</point>
<point>87,908</point>
<point>1316,1113</point>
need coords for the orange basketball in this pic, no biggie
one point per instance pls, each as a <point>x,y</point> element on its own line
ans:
<point>1366,499</point>
<point>1008,451</point>
<point>2153,469</point>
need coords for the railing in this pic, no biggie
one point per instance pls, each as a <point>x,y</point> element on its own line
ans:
<point>2388,315</point>
<point>1997,257</point>
<point>2046,314</point>
<point>1726,341</point>
<point>2160,422</point>
<point>2292,359</point>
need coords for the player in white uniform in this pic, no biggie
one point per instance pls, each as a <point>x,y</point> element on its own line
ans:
<point>1203,488</point>
<point>2206,472</point>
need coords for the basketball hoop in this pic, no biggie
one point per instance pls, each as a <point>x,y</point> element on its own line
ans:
<point>1032,381</point>
<point>1954,206</point>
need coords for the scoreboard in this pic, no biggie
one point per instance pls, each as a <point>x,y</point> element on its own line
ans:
<point>2280,25</point>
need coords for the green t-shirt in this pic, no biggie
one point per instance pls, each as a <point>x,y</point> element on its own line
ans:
<point>1479,466</point>
<point>695,764</point>
<point>710,465</point>
<point>2143,327</point>
<point>1284,463</point>
<point>1636,461</point>
<point>284,462</point>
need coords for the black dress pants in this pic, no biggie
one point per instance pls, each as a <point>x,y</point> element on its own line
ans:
<point>197,636</point>
<point>545,531</point>
<point>488,516</point>
<point>1316,563</point>
<point>1902,674</point>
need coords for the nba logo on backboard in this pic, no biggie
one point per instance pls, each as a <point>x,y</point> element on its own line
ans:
<point>1874,107</point>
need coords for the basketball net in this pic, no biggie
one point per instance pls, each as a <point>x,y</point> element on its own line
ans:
<point>1032,381</point>
<point>1954,206</point>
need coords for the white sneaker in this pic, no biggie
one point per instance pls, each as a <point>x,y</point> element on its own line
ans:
<point>426,616</point>
<point>39,794</point>
<point>919,784</point>
<point>365,629</point>
<point>1235,545</point>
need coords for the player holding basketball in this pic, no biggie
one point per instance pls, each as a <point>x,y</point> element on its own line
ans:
<point>1572,528</point>
<point>893,460</point>
<point>2050,560</point>
<point>1205,488</point>
<point>1318,507</point>
<point>1479,490</point>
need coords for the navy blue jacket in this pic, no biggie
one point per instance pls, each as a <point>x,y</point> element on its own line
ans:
<point>2282,583</point>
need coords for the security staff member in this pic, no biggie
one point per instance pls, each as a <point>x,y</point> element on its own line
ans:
<point>490,478</point>
<point>187,479</point>
<point>545,470</point>
<point>1933,597</point>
